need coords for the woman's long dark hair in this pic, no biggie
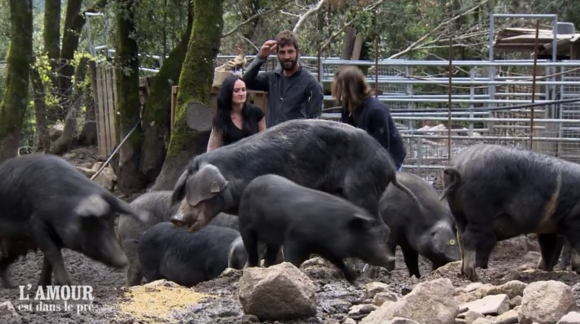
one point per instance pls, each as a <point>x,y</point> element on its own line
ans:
<point>224,106</point>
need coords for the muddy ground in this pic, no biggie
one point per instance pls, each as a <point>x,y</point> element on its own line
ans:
<point>510,260</point>
<point>335,296</point>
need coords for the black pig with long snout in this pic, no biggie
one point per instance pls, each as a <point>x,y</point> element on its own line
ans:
<point>46,204</point>
<point>277,211</point>
<point>319,154</point>
<point>499,192</point>
<point>427,230</point>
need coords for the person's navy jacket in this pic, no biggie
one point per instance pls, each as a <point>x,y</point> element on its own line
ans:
<point>374,117</point>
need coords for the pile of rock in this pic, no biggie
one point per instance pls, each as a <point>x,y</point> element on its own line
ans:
<point>284,292</point>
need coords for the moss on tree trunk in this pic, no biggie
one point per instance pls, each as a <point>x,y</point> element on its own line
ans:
<point>51,29</point>
<point>156,115</point>
<point>127,103</point>
<point>19,60</point>
<point>51,38</point>
<point>193,99</point>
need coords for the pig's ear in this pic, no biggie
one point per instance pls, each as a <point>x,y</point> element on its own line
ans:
<point>360,220</point>
<point>216,187</point>
<point>179,189</point>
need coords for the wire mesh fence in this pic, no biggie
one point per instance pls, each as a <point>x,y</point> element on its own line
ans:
<point>481,109</point>
<point>417,93</point>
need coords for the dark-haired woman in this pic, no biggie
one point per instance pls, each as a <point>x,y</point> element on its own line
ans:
<point>234,118</point>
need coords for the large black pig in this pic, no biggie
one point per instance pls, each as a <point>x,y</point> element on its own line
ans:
<point>320,154</point>
<point>46,204</point>
<point>172,253</point>
<point>154,207</point>
<point>428,231</point>
<point>278,211</point>
<point>499,192</point>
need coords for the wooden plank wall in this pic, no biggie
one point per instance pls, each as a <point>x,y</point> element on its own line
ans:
<point>104,93</point>
<point>103,85</point>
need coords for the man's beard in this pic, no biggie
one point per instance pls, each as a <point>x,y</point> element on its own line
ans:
<point>288,65</point>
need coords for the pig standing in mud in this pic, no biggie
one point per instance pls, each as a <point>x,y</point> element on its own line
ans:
<point>172,253</point>
<point>570,257</point>
<point>498,192</point>
<point>277,211</point>
<point>320,154</point>
<point>46,204</point>
<point>428,231</point>
<point>153,207</point>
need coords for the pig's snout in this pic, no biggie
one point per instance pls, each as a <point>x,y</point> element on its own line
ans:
<point>453,253</point>
<point>113,256</point>
<point>120,261</point>
<point>177,221</point>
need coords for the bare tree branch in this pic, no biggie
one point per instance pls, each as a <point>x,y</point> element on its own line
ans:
<point>368,8</point>
<point>307,14</point>
<point>289,13</point>
<point>417,44</point>
<point>261,13</point>
<point>250,42</point>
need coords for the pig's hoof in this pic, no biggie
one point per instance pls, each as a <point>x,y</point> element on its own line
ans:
<point>390,266</point>
<point>350,277</point>
<point>471,275</point>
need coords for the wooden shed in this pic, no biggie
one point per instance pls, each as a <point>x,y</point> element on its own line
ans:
<point>523,40</point>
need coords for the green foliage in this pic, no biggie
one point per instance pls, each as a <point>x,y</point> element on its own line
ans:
<point>42,65</point>
<point>161,23</point>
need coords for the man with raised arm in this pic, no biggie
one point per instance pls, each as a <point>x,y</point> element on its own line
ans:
<point>293,92</point>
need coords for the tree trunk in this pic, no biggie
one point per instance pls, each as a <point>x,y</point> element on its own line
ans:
<point>39,98</point>
<point>88,135</point>
<point>51,29</point>
<point>156,114</point>
<point>73,24</point>
<point>127,103</point>
<point>65,72</point>
<point>64,142</point>
<point>193,112</point>
<point>51,39</point>
<point>15,100</point>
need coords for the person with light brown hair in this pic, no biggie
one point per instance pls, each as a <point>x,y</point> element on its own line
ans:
<point>362,110</point>
<point>293,92</point>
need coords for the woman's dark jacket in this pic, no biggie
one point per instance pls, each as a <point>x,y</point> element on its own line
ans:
<point>374,117</point>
